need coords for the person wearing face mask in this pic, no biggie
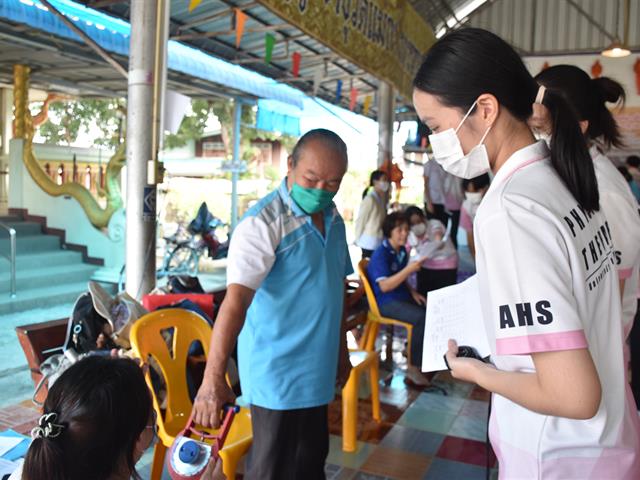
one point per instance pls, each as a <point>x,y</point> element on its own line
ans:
<point>428,238</point>
<point>388,271</point>
<point>588,97</point>
<point>545,259</point>
<point>372,211</point>
<point>474,190</point>
<point>287,262</point>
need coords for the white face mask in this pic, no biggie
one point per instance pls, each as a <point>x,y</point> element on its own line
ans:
<point>382,185</point>
<point>419,229</point>
<point>447,151</point>
<point>542,136</point>
<point>473,198</point>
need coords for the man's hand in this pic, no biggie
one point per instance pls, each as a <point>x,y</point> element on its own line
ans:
<point>213,471</point>
<point>210,400</point>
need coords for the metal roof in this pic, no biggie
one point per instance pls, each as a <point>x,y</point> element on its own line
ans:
<point>209,28</point>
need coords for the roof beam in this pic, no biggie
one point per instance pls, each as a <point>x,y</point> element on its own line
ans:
<point>221,33</point>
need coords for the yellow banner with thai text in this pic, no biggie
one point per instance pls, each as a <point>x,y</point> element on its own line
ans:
<point>386,38</point>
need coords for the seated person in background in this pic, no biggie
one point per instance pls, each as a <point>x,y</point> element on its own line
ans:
<point>388,271</point>
<point>427,237</point>
<point>97,422</point>
<point>474,190</point>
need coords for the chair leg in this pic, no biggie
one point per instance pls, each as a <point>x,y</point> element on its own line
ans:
<point>350,413</point>
<point>159,453</point>
<point>375,389</point>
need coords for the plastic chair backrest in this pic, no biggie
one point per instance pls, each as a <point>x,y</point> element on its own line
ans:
<point>203,300</point>
<point>147,340</point>
<point>371,298</point>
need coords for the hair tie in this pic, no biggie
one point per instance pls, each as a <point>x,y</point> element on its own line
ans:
<point>47,428</point>
<point>540,94</point>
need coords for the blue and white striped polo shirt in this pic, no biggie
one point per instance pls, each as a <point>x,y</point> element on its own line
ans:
<point>288,347</point>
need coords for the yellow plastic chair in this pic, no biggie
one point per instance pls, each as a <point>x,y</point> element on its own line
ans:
<point>362,360</point>
<point>375,316</point>
<point>147,341</point>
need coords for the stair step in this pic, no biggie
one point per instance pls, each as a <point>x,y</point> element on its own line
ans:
<point>45,276</point>
<point>41,297</point>
<point>22,228</point>
<point>31,244</point>
<point>28,261</point>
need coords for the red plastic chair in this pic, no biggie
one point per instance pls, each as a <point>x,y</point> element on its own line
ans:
<point>203,300</point>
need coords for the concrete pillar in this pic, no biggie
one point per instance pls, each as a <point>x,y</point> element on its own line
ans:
<point>236,167</point>
<point>141,195</point>
<point>386,109</point>
<point>6,119</point>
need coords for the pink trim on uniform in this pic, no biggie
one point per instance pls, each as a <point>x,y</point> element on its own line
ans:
<point>465,220</point>
<point>625,273</point>
<point>544,342</point>
<point>448,263</point>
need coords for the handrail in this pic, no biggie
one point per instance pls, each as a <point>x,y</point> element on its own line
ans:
<point>11,257</point>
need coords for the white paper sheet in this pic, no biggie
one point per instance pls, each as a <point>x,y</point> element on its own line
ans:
<point>7,443</point>
<point>453,312</point>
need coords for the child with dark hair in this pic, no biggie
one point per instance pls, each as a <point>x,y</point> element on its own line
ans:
<point>430,241</point>
<point>97,422</point>
<point>388,271</point>
<point>474,190</point>
<point>546,265</point>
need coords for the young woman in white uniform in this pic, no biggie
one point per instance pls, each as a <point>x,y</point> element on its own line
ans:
<point>546,267</point>
<point>588,98</point>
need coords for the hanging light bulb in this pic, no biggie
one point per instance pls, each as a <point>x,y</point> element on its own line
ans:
<point>619,49</point>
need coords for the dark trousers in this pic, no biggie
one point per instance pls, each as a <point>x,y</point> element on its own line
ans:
<point>439,213</point>
<point>414,314</point>
<point>634,345</point>
<point>429,279</point>
<point>288,444</point>
<point>366,253</point>
<point>455,221</point>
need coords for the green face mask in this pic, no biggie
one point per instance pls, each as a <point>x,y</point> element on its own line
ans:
<point>311,200</point>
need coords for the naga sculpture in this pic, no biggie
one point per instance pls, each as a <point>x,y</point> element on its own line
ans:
<point>24,129</point>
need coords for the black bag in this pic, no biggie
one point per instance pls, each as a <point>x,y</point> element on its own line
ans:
<point>85,326</point>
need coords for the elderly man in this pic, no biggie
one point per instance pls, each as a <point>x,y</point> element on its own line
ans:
<point>287,262</point>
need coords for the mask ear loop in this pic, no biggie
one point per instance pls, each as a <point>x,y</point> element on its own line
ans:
<point>466,115</point>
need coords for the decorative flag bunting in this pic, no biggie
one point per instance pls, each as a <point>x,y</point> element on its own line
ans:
<point>353,97</point>
<point>338,91</point>
<point>240,19</point>
<point>596,69</point>
<point>545,66</point>
<point>193,4</point>
<point>295,58</point>
<point>269,42</point>
<point>367,104</point>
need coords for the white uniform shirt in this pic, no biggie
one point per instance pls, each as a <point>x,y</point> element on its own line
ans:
<point>546,271</point>
<point>436,174</point>
<point>621,209</point>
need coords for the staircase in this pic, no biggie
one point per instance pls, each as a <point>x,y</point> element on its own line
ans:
<point>46,273</point>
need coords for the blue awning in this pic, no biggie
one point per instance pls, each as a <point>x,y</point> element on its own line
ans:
<point>112,34</point>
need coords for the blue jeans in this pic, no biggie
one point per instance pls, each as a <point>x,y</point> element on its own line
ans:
<point>409,312</point>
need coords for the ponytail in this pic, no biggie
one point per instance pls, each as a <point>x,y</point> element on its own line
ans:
<point>569,153</point>
<point>603,125</point>
<point>44,459</point>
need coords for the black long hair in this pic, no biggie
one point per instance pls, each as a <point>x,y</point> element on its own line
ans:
<point>103,405</point>
<point>588,97</point>
<point>468,62</point>
<point>375,175</point>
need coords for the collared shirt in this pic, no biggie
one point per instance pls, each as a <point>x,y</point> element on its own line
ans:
<point>385,262</point>
<point>547,279</point>
<point>288,347</point>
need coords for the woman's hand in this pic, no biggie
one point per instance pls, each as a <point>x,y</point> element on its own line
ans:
<point>465,369</point>
<point>415,266</point>
<point>417,297</point>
